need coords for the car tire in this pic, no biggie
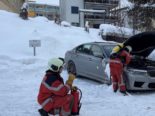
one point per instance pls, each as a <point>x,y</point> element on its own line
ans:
<point>71,67</point>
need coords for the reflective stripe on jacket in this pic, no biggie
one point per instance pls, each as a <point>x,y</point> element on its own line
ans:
<point>52,85</point>
<point>125,55</point>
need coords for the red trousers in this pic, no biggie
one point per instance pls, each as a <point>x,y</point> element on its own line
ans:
<point>63,103</point>
<point>116,71</point>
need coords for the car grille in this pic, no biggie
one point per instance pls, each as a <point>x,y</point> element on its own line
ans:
<point>151,73</point>
<point>138,84</point>
<point>151,85</point>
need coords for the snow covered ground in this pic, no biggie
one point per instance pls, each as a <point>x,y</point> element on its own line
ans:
<point>21,72</point>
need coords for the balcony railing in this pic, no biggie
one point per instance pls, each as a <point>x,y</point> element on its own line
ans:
<point>100,21</point>
<point>102,1</point>
<point>101,17</point>
<point>101,6</point>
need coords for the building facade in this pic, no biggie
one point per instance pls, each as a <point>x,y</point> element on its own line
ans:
<point>77,12</point>
<point>69,11</point>
<point>47,10</point>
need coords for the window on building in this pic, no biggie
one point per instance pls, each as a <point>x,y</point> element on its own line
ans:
<point>38,14</point>
<point>74,10</point>
<point>75,24</point>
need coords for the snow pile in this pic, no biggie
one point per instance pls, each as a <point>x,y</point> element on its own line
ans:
<point>148,5</point>
<point>126,3</point>
<point>111,29</point>
<point>52,36</point>
<point>65,24</point>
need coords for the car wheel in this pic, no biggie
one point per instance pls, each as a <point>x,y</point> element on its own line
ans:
<point>71,67</point>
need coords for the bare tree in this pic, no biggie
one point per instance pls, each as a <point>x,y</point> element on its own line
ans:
<point>143,14</point>
<point>13,4</point>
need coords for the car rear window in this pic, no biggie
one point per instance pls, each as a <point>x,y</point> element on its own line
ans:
<point>108,49</point>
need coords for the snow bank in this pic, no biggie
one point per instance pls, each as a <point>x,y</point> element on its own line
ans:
<point>126,3</point>
<point>108,29</point>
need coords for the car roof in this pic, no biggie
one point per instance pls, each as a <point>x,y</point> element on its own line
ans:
<point>102,43</point>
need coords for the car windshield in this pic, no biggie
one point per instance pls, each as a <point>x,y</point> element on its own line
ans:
<point>108,49</point>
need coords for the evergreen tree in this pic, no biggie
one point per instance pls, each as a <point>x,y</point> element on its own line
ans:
<point>143,14</point>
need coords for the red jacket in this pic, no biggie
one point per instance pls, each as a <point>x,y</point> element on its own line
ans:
<point>52,85</point>
<point>123,58</point>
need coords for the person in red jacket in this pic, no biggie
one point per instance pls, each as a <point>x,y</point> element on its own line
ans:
<point>119,58</point>
<point>53,93</point>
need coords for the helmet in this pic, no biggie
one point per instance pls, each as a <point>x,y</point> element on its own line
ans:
<point>129,48</point>
<point>55,64</point>
<point>117,48</point>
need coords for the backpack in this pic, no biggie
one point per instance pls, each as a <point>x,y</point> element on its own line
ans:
<point>116,52</point>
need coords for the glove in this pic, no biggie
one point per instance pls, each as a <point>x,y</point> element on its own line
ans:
<point>74,88</point>
<point>70,79</point>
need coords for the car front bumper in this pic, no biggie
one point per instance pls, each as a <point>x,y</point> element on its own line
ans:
<point>139,80</point>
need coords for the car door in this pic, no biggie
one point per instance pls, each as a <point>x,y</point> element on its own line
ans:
<point>96,65</point>
<point>81,59</point>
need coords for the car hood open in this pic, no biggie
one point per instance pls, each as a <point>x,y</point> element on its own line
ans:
<point>142,44</point>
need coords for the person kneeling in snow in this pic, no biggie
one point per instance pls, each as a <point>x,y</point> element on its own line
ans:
<point>53,94</point>
<point>119,58</point>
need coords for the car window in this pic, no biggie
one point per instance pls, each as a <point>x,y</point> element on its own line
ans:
<point>79,49</point>
<point>84,49</point>
<point>108,49</point>
<point>97,51</point>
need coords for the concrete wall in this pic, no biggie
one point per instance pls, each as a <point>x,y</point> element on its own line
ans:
<point>62,10</point>
<point>65,10</point>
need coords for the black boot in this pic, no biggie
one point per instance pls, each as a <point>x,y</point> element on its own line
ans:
<point>115,91</point>
<point>124,93</point>
<point>43,112</point>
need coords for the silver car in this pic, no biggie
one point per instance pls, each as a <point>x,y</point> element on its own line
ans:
<point>90,59</point>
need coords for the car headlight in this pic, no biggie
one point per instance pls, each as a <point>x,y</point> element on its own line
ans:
<point>137,72</point>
